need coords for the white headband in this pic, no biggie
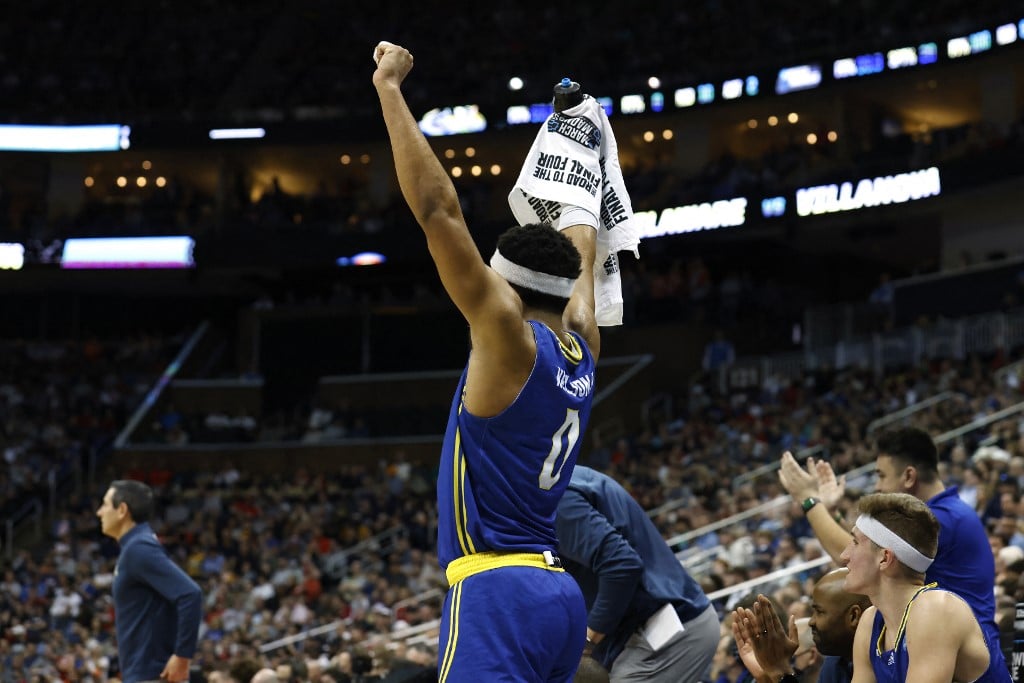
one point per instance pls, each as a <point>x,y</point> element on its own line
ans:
<point>885,537</point>
<point>531,279</point>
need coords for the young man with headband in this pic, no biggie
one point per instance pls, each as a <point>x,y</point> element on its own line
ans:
<point>914,631</point>
<point>908,462</point>
<point>521,406</point>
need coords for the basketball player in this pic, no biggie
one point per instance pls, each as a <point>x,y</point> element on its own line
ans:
<point>512,613</point>
<point>908,462</point>
<point>914,631</point>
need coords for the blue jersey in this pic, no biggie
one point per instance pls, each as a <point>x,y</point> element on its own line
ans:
<point>892,665</point>
<point>501,477</point>
<point>964,563</point>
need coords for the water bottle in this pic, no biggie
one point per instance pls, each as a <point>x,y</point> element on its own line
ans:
<point>567,95</point>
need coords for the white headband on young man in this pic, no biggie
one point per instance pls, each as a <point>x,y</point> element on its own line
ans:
<point>532,279</point>
<point>885,537</point>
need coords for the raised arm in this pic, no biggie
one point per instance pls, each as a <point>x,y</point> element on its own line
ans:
<point>431,196</point>
<point>579,313</point>
<point>802,484</point>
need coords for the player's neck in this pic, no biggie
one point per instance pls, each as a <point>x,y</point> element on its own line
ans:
<point>891,598</point>
<point>552,320</point>
<point>926,492</point>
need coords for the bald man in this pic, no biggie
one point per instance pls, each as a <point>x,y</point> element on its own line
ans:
<point>834,618</point>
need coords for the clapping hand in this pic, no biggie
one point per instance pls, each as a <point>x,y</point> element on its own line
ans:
<point>745,644</point>
<point>759,630</point>
<point>798,482</point>
<point>830,489</point>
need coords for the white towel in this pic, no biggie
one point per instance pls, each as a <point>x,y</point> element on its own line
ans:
<point>574,161</point>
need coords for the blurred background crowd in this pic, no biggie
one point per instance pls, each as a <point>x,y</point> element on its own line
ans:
<point>259,393</point>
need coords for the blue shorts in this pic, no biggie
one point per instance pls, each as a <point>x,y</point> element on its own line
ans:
<point>522,624</point>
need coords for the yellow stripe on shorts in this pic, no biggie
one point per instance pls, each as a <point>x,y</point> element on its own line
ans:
<point>453,633</point>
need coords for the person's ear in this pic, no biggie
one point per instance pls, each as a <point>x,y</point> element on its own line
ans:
<point>853,616</point>
<point>888,559</point>
<point>909,477</point>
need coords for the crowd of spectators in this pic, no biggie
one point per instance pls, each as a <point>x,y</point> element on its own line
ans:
<point>157,62</point>
<point>62,403</point>
<point>280,553</point>
<point>218,59</point>
<point>315,421</point>
<point>119,63</point>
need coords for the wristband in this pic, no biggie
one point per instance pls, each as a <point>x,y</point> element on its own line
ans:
<point>789,678</point>
<point>808,504</point>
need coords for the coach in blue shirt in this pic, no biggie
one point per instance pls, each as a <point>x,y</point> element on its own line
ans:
<point>647,619</point>
<point>157,607</point>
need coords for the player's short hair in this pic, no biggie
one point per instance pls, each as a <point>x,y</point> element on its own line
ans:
<point>911,447</point>
<point>542,248</point>
<point>137,496</point>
